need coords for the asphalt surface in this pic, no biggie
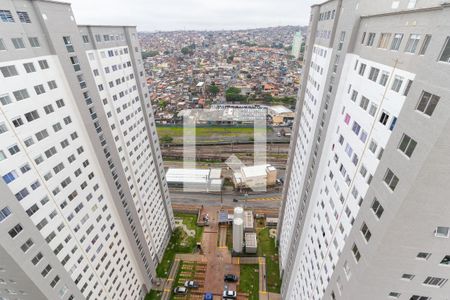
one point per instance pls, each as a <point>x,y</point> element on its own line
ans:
<point>266,200</point>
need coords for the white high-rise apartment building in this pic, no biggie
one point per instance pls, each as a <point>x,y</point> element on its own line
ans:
<point>366,211</point>
<point>84,207</point>
<point>297,44</point>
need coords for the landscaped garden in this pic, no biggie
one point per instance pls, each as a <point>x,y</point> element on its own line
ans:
<point>184,239</point>
<point>180,242</point>
<point>249,281</point>
<point>267,248</point>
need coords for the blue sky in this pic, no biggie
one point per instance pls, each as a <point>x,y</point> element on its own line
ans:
<point>154,15</point>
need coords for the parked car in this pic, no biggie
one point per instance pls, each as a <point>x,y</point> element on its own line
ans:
<point>208,296</point>
<point>229,294</point>
<point>191,284</point>
<point>230,278</point>
<point>180,290</point>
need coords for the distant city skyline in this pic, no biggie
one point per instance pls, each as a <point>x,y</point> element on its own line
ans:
<point>171,15</point>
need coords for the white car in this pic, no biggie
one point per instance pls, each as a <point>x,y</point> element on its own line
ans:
<point>180,290</point>
<point>229,294</point>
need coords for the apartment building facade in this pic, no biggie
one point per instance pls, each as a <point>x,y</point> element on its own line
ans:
<point>365,211</point>
<point>85,211</point>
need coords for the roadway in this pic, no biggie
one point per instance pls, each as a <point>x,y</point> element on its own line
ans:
<point>265,200</point>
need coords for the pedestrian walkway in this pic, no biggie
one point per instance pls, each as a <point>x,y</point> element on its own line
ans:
<point>168,285</point>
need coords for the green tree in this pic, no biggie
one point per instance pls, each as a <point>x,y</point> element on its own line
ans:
<point>233,94</point>
<point>166,139</point>
<point>149,53</point>
<point>162,104</point>
<point>213,89</point>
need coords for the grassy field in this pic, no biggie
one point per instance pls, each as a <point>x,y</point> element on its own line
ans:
<point>153,295</point>
<point>268,249</point>
<point>212,134</point>
<point>180,243</point>
<point>249,281</point>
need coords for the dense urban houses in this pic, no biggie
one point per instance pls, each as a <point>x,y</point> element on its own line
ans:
<point>84,208</point>
<point>365,211</point>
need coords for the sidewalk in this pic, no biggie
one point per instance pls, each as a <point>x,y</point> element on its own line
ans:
<point>168,284</point>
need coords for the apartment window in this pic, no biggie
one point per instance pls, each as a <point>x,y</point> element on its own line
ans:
<point>341,41</point>
<point>21,94</point>
<point>362,69</point>
<point>25,168</point>
<point>384,118</point>
<point>436,281</point>
<point>2,155</point>
<point>373,109</point>
<point>423,255</point>
<point>10,177</point>
<point>24,17</point>
<point>2,45</point>
<point>377,208</point>
<point>398,81</point>
<point>40,135</point>
<point>407,145</point>
<point>356,253</point>
<point>85,39</point>
<point>364,103</point>
<point>396,41</point>
<point>391,179</point>
<point>394,295</point>
<point>39,89</point>
<point>413,41</point>
<point>416,297</point>
<point>354,95</point>
<point>373,75</point>
<point>57,127</point>
<point>445,53</point>
<point>35,260</point>
<point>50,152</point>
<point>425,43</point>
<point>411,4</point>
<point>444,261</point>
<point>60,103</point>
<point>29,67</point>
<point>32,115</point>
<point>5,99</point>
<point>407,88</point>
<point>52,85</point>
<point>366,232</point>
<point>427,103</point>
<point>27,245</point>
<point>370,39</point>
<point>34,208</point>
<point>356,128</point>
<point>54,281</point>
<point>43,64</point>
<point>3,128</point>
<point>383,42</point>
<point>5,212</point>
<point>13,232</point>
<point>363,37</point>
<point>46,270</point>
<point>9,71</point>
<point>384,78</point>
<point>48,109</point>
<point>408,276</point>
<point>22,194</point>
<point>18,43</point>
<point>17,122</point>
<point>442,231</point>
<point>6,16</point>
<point>13,149</point>
<point>34,42</point>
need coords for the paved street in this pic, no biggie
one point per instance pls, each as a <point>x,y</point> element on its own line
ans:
<point>267,200</point>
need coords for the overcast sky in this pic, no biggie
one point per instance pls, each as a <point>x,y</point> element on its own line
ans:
<point>151,15</point>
